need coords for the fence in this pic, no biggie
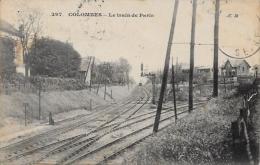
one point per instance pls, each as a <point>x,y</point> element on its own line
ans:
<point>33,84</point>
<point>241,127</point>
<point>36,86</point>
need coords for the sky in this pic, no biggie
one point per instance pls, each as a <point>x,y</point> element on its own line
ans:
<point>145,39</point>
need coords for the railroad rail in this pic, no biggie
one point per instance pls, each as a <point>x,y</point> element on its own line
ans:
<point>115,128</point>
<point>108,129</point>
<point>23,151</point>
<point>117,118</point>
<point>111,150</point>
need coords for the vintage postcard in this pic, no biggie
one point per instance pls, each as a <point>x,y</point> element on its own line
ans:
<point>142,82</point>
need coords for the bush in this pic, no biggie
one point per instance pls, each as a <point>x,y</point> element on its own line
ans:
<point>54,58</point>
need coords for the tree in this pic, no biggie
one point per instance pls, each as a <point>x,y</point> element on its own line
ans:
<point>114,72</point>
<point>7,66</point>
<point>54,58</point>
<point>29,28</point>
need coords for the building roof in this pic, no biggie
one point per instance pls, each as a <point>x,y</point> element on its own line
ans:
<point>203,67</point>
<point>235,63</point>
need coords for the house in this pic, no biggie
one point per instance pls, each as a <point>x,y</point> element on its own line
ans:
<point>255,70</point>
<point>86,69</point>
<point>204,71</point>
<point>8,31</point>
<point>235,68</point>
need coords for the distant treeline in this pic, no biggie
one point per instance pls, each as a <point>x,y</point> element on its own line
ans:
<point>53,58</point>
<point>112,72</point>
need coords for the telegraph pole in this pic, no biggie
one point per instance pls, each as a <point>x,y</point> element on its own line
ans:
<point>224,75</point>
<point>166,68</point>
<point>153,83</point>
<point>105,90</point>
<point>91,71</point>
<point>215,60</point>
<point>173,90</point>
<point>106,69</point>
<point>67,59</point>
<point>176,73</point>
<point>192,44</point>
<point>39,97</point>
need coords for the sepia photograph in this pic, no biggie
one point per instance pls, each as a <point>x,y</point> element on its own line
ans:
<point>129,82</point>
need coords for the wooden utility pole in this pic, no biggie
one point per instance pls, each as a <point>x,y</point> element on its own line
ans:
<point>166,68</point>
<point>91,69</point>
<point>67,59</point>
<point>153,83</point>
<point>142,69</point>
<point>105,91</point>
<point>174,94</point>
<point>25,113</point>
<point>224,75</point>
<point>192,44</point>
<point>176,74</point>
<point>106,70</point>
<point>127,76</point>
<point>99,82</point>
<point>39,97</point>
<point>215,60</point>
<point>256,72</point>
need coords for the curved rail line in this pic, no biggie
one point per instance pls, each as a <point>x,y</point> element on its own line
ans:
<point>115,128</point>
<point>78,145</point>
<point>99,128</point>
<point>148,133</point>
<point>45,146</point>
<point>74,125</point>
<point>81,149</point>
<point>33,142</point>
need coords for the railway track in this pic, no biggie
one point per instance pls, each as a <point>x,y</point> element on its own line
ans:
<point>63,141</point>
<point>82,142</point>
<point>117,119</point>
<point>116,128</point>
<point>33,148</point>
<point>105,129</point>
<point>80,148</point>
<point>125,101</point>
<point>102,152</point>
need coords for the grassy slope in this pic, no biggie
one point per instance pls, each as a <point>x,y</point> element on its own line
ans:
<point>118,92</point>
<point>62,104</point>
<point>55,102</point>
<point>203,137</point>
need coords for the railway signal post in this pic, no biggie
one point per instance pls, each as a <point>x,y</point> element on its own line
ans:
<point>151,76</point>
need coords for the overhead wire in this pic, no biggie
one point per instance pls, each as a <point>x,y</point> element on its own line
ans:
<point>220,49</point>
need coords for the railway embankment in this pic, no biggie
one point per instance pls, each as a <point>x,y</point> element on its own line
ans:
<point>62,104</point>
<point>202,137</point>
